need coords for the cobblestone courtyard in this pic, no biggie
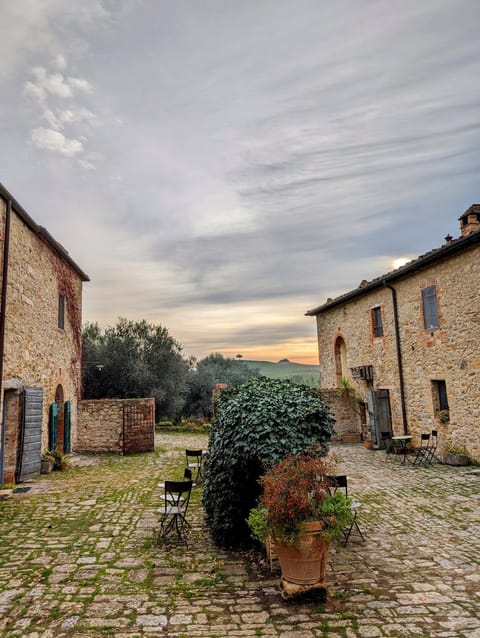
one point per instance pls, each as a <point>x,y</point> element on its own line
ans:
<point>78,557</point>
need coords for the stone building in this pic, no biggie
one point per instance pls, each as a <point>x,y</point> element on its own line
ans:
<point>408,344</point>
<point>40,342</point>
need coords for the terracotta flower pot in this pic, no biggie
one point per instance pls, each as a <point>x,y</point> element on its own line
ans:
<point>306,562</point>
<point>271,548</point>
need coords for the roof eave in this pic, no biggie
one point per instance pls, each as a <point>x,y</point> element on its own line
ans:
<point>42,232</point>
<point>421,262</point>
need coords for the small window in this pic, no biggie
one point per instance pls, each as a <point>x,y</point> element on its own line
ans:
<point>61,311</point>
<point>377,322</point>
<point>439,396</point>
<point>430,310</point>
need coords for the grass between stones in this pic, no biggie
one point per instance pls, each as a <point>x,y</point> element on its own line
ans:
<point>80,555</point>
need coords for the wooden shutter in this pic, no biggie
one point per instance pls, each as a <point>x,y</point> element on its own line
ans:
<point>53,427</point>
<point>430,311</point>
<point>67,415</point>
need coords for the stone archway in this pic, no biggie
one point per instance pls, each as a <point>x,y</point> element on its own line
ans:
<point>340,360</point>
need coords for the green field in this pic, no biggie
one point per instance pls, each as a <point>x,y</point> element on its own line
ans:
<point>297,372</point>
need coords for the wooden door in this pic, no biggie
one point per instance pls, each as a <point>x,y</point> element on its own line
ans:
<point>380,415</point>
<point>30,443</point>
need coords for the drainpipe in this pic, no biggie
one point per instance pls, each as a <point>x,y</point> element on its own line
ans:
<point>3,307</point>
<point>399,356</point>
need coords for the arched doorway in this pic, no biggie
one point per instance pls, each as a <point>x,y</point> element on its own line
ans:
<point>340,360</point>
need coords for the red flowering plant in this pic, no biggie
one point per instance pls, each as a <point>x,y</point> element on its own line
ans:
<point>296,491</point>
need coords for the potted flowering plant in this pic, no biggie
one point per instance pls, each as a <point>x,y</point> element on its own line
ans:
<point>61,461</point>
<point>301,514</point>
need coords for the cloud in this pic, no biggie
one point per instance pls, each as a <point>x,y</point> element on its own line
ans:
<point>53,83</point>
<point>55,97</point>
<point>55,142</point>
<point>35,91</point>
<point>70,116</point>
<point>52,119</point>
<point>60,62</point>
<point>86,165</point>
<point>267,156</point>
<point>46,29</point>
<point>80,84</point>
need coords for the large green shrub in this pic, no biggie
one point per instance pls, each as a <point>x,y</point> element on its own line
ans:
<point>257,425</point>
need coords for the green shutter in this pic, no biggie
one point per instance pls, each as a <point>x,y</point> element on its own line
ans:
<point>67,411</point>
<point>53,427</point>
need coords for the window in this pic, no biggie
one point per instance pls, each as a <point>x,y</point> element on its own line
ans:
<point>377,322</point>
<point>430,310</point>
<point>61,311</point>
<point>439,395</point>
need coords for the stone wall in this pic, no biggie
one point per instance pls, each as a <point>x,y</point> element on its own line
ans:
<point>450,352</point>
<point>37,353</point>
<point>100,426</point>
<point>12,406</point>
<point>345,411</point>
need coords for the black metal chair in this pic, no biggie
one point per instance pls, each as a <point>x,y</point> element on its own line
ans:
<point>194,462</point>
<point>422,452</point>
<point>397,450</point>
<point>340,482</point>
<point>187,476</point>
<point>174,509</point>
<point>432,448</point>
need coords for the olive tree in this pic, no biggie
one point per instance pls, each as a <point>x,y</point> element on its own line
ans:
<point>203,377</point>
<point>134,359</point>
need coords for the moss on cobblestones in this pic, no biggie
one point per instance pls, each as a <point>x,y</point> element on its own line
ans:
<point>79,558</point>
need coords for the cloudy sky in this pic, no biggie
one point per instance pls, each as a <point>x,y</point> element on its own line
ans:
<point>220,167</point>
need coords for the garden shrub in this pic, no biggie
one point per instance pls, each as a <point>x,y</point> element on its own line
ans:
<point>257,425</point>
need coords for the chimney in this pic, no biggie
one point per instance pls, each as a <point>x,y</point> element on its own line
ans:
<point>470,220</point>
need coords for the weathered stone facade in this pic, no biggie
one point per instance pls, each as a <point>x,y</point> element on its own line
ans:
<point>103,425</point>
<point>346,411</point>
<point>438,365</point>
<point>36,351</point>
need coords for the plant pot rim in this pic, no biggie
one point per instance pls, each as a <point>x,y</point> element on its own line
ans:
<point>313,526</point>
<point>309,527</point>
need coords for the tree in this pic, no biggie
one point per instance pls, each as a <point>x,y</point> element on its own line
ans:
<point>134,359</point>
<point>257,425</point>
<point>205,375</point>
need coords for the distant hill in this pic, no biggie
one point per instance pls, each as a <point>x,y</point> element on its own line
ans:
<point>285,369</point>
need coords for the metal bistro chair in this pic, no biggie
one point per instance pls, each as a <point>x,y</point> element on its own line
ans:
<point>187,476</point>
<point>432,448</point>
<point>386,438</point>
<point>174,509</point>
<point>340,482</point>
<point>194,461</point>
<point>422,452</point>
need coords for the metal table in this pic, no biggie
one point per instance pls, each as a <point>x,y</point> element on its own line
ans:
<point>404,441</point>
